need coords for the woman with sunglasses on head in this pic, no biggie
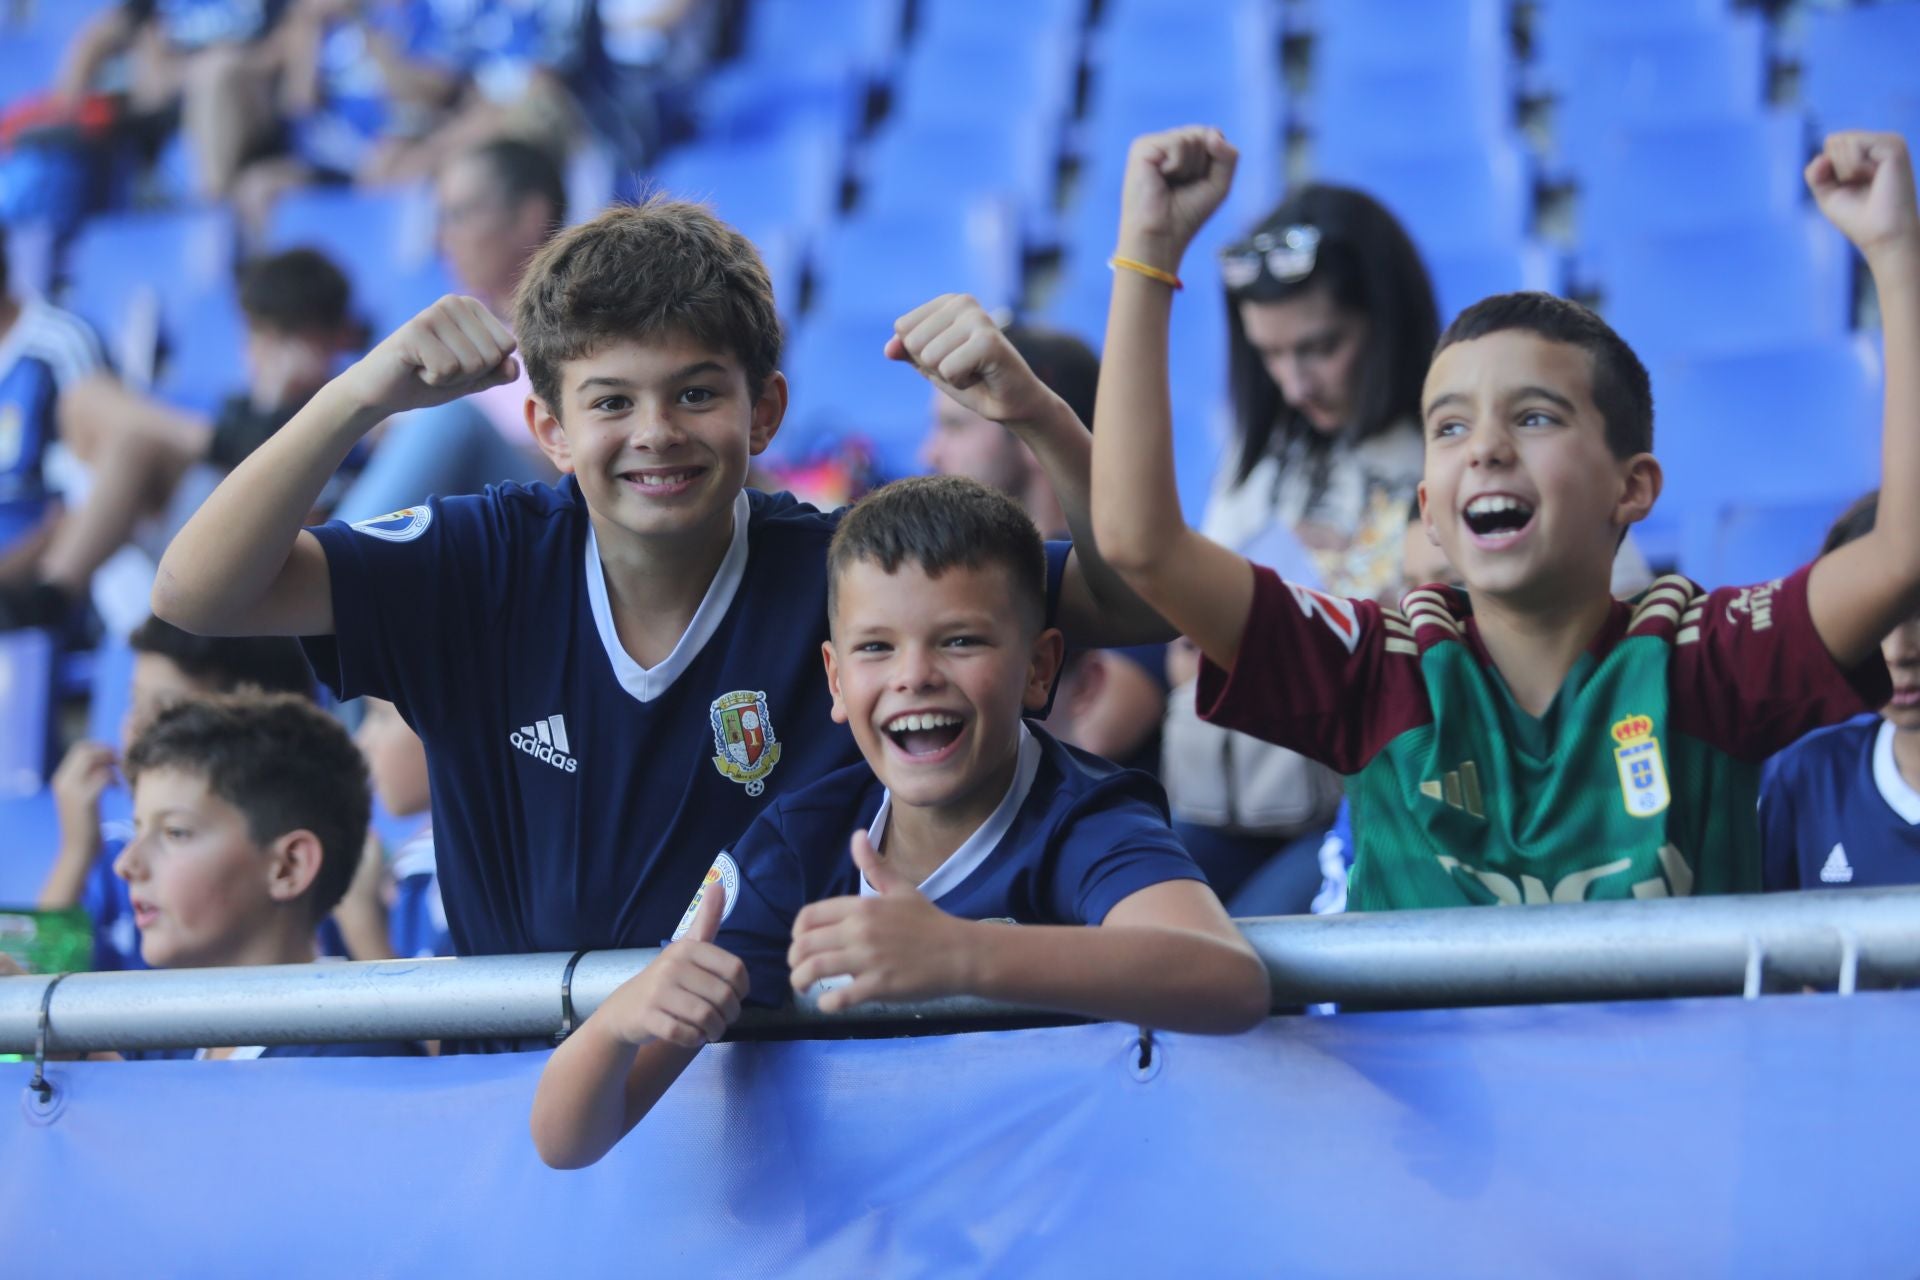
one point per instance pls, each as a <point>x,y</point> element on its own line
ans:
<point>1331,321</point>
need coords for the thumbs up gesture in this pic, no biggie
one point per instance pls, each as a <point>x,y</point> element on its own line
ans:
<point>897,946</point>
<point>689,995</point>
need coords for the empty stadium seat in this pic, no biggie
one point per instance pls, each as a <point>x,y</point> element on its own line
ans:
<point>1736,288</point>
<point>32,826</point>
<point>942,21</point>
<point>1565,30</point>
<point>383,240</point>
<point>1030,83</point>
<point>912,164</point>
<point>1410,109</point>
<point>1861,63</point>
<point>1660,179</point>
<point>788,180</point>
<point>844,386</point>
<point>867,32</point>
<point>1463,276</point>
<point>890,261</point>
<point>1757,542</point>
<point>179,257</point>
<point>1664,77</point>
<point>1465,196</point>
<point>26,710</point>
<point>1371,35</point>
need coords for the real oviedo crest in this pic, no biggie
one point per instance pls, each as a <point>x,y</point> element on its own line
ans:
<point>1643,774</point>
<point>745,748</point>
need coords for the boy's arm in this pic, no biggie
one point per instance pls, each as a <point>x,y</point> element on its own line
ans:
<point>957,346</point>
<point>83,775</point>
<point>1165,956</point>
<point>1859,593</point>
<point>605,1077</point>
<point>242,565</point>
<point>1174,181</point>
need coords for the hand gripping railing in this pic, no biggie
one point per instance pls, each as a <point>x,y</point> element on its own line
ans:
<point>1583,951</point>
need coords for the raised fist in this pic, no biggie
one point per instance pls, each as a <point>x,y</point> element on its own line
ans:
<point>452,349</point>
<point>1863,183</point>
<point>957,346</point>
<point>1174,182</point>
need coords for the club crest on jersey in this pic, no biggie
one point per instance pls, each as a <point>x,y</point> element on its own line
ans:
<point>745,748</point>
<point>725,873</point>
<point>397,526</point>
<point>1643,774</point>
<point>1338,614</point>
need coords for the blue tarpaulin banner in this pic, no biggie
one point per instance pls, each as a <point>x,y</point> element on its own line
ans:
<point>1778,1137</point>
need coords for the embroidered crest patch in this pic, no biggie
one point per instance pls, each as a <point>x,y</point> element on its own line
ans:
<point>724,873</point>
<point>1643,774</point>
<point>397,526</point>
<point>744,745</point>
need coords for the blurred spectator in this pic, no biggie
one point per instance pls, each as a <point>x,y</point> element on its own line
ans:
<point>640,53</point>
<point>397,763</point>
<point>512,61</point>
<point>136,449</point>
<point>45,353</point>
<point>498,203</point>
<point>1841,807</point>
<point>1108,701</point>
<point>204,66</point>
<point>249,812</point>
<point>169,666</point>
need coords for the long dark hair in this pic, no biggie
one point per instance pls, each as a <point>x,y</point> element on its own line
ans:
<point>1367,263</point>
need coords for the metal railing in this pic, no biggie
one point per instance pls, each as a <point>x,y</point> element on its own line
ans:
<point>1584,951</point>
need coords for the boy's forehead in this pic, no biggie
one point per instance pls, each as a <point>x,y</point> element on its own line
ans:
<point>1501,366</point>
<point>171,787</point>
<point>647,360</point>
<point>865,584</point>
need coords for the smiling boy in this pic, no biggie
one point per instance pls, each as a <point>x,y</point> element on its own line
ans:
<point>964,820</point>
<point>615,675</point>
<point>1529,739</point>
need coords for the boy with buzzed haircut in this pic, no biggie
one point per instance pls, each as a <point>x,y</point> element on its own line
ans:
<point>1528,739</point>
<point>613,676</point>
<point>249,810</point>
<point>964,819</point>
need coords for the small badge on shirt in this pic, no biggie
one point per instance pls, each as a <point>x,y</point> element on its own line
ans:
<point>397,526</point>
<point>1643,775</point>
<point>1338,614</point>
<point>724,873</point>
<point>745,748</point>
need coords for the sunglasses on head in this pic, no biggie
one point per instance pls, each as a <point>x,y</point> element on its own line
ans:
<point>1286,256</point>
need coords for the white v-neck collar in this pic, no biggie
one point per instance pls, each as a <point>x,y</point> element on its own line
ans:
<point>965,860</point>
<point>1894,787</point>
<point>242,1053</point>
<point>648,683</point>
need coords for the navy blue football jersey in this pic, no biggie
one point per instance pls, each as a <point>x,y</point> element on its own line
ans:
<point>1835,812</point>
<point>45,350</point>
<point>1075,835</point>
<point>578,798</point>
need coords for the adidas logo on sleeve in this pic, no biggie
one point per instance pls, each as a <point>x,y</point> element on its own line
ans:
<point>1837,870</point>
<point>546,740</point>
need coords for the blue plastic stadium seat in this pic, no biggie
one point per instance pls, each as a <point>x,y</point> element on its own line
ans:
<point>1462,277</point>
<point>1462,197</point>
<point>790,180</point>
<point>1372,35</point>
<point>1757,541</point>
<point>1660,179</point>
<point>914,164</point>
<point>868,31</point>
<point>1691,74</point>
<point>180,257</point>
<point>746,101</point>
<point>29,63</point>
<point>1733,289</point>
<point>1862,62</point>
<point>205,361</point>
<point>384,241</point>
<point>1789,424</point>
<point>32,826</point>
<point>26,709</point>
<point>942,21</point>
<point>1425,108</point>
<point>844,386</point>
<point>889,262</point>
<point>111,689</point>
<point>1030,83</point>
<point>1565,30</point>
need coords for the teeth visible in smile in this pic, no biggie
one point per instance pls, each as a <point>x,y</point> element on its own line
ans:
<point>655,480</point>
<point>925,720</point>
<point>1495,504</point>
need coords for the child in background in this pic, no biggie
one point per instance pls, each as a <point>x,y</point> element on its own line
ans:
<point>169,666</point>
<point>975,836</point>
<point>249,813</point>
<point>1841,808</point>
<point>397,763</point>
<point>1530,739</point>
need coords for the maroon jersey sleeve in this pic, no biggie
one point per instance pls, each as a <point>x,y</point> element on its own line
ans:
<point>1750,674</point>
<point>1334,679</point>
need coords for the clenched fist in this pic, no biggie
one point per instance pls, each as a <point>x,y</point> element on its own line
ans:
<point>452,349</point>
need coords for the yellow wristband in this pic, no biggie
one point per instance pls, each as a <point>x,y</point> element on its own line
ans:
<point>1150,272</point>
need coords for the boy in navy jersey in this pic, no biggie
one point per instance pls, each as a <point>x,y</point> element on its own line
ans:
<point>613,676</point>
<point>964,821</point>
<point>1529,739</point>
<point>1841,807</point>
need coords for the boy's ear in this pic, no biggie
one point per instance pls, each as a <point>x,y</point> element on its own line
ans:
<point>549,434</point>
<point>769,411</point>
<point>1043,667</point>
<point>293,863</point>
<point>1433,536</point>
<point>827,655</point>
<point>1642,482</point>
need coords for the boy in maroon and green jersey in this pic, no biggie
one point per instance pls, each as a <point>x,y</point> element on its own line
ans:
<point>1529,739</point>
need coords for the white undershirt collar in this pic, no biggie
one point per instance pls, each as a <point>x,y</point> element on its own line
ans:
<point>243,1053</point>
<point>648,683</point>
<point>1894,787</point>
<point>965,860</point>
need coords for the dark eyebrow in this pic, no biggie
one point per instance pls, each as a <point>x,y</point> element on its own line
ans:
<point>1440,402</point>
<point>678,375</point>
<point>585,383</point>
<point>1543,393</point>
